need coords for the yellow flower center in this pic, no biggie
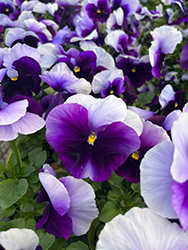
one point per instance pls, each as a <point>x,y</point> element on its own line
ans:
<point>111,92</point>
<point>135,155</point>
<point>14,79</point>
<point>133,70</point>
<point>176,105</point>
<point>91,139</point>
<point>98,11</point>
<point>7,10</point>
<point>76,69</point>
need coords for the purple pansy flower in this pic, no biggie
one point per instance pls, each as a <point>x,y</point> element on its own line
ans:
<point>70,206</point>
<point>108,82</point>
<point>138,70</point>
<point>15,118</point>
<point>93,136</point>
<point>21,75</point>
<point>19,35</point>
<point>61,78</point>
<point>130,168</point>
<point>165,41</point>
<point>83,64</point>
<point>6,7</point>
<point>98,10</point>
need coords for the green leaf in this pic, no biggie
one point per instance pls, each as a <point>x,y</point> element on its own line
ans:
<point>135,187</point>
<point>27,171</point>
<point>26,207</point>
<point>16,223</point>
<point>11,191</point>
<point>116,193</point>
<point>115,179</point>
<point>33,154</point>
<point>109,211</point>
<point>46,240</point>
<point>9,212</point>
<point>2,177</point>
<point>37,157</point>
<point>3,167</point>
<point>30,223</point>
<point>79,245</point>
<point>92,233</point>
<point>40,159</point>
<point>145,98</point>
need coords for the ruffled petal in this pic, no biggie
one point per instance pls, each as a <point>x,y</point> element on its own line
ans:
<point>56,191</point>
<point>155,169</point>
<point>83,209</point>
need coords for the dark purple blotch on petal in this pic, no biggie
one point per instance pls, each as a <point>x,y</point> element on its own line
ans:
<point>100,12</point>
<point>34,106</point>
<point>28,79</point>
<point>137,72</point>
<point>116,88</point>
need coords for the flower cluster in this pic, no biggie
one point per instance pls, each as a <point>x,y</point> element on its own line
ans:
<point>94,102</point>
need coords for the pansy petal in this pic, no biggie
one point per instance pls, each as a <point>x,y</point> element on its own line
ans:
<point>7,133</point>
<point>13,112</point>
<point>141,229</point>
<point>59,226</point>
<point>29,124</point>
<point>180,202</point>
<point>56,191</point>
<point>179,168</point>
<point>155,169</point>
<point>133,120</point>
<point>27,239</point>
<point>82,205</point>
<point>65,126</point>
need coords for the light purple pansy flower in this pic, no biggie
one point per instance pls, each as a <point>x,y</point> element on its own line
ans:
<point>17,239</point>
<point>93,136</point>
<point>15,119</point>
<point>108,82</point>
<point>165,40</point>
<point>141,229</point>
<point>70,206</point>
<point>61,78</point>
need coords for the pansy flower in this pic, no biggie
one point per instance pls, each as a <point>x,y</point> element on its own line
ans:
<point>165,40</point>
<point>141,229</point>
<point>15,118</point>
<point>21,72</point>
<point>93,136</point>
<point>70,206</point>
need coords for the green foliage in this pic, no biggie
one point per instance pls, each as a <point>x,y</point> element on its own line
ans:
<point>77,246</point>
<point>11,191</point>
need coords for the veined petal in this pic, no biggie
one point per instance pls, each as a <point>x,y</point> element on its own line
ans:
<point>141,229</point>
<point>29,124</point>
<point>56,191</point>
<point>13,112</point>
<point>155,169</point>
<point>179,168</point>
<point>133,120</point>
<point>7,133</point>
<point>67,123</point>
<point>23,238</point>
<point>83,209</point>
